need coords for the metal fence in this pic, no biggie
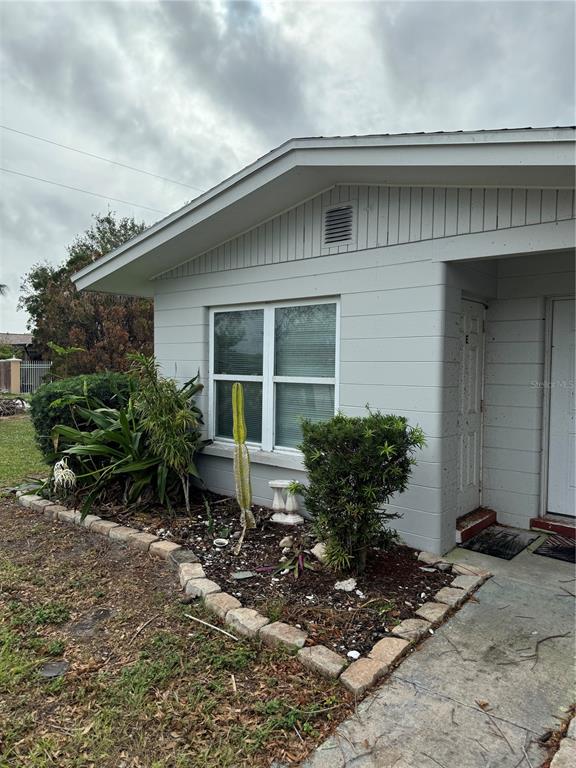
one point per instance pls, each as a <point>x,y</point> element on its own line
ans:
<point>33,373</point>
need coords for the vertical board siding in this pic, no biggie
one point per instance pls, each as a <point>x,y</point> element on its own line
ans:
<point>384,216</point>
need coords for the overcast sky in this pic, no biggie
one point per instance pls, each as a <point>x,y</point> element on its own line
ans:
<point>194,91</point>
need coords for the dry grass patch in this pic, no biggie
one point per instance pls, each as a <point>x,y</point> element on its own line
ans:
<point>145,685</point>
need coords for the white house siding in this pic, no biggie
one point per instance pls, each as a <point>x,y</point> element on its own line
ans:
<point>399,316</point>
<point>476,279</point>
<point>515,291</point>
<point>514,375</point>
<point>391,347</point>
<point>385,216</point>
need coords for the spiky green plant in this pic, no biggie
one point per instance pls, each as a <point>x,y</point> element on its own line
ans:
<point>170,418</point>
<point>241,462</point>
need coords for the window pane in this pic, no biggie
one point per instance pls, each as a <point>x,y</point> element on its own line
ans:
<point>252,409</point>
<point>297,401</point>
<point>238,342</point>
<point>305,342</point>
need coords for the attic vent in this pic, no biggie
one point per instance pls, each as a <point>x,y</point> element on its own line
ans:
<point>338,224</point>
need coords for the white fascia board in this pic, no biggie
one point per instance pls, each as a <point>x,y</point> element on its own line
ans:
<point>537,147</point>
<point>515,241</point>
<point>200,209</point>
<point>503,136</point>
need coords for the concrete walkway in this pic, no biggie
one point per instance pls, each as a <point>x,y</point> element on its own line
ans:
<point>470,697</point>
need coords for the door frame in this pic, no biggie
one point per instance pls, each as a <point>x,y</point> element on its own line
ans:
<point>547,398</point>
<point>465,296</point>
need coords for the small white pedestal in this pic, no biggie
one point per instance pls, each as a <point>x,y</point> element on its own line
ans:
<point>285,512</point>
<point>284,518</point>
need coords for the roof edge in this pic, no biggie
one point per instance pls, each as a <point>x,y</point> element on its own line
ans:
<point>479,137</point>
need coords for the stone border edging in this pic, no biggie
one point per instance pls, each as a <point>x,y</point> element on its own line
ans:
<point>356,677</point>
<point>565,757</point>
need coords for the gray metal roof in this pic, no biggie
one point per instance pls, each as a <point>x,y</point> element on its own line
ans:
<point>16,339</point>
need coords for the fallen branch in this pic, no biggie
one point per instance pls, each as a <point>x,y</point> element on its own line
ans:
<point>458,651</point>
<point>433,759</point>
<point>206,624</point>
<point>141,628</point>
<point>493,721</point>
<point>67,731</point>
<point>543,640</point>
<point>526,756</point>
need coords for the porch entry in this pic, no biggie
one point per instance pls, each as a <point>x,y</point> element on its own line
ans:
<point>562,437</point>
<point>469,421</point>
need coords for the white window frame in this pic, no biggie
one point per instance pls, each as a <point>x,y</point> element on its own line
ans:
<point>268,379</point>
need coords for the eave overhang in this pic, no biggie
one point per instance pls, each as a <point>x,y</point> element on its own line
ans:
<point>301,168</point>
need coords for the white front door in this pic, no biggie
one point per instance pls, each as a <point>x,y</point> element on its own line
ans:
<point>469,423</point>
<point>562,439</point>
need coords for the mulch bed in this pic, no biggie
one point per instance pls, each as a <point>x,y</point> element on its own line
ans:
<point>394,585</point>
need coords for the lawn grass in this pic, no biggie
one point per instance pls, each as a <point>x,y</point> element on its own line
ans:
<point>146,687</point>
<point>19,456</point>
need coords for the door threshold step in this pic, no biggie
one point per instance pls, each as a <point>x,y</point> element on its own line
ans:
<point>553,524</point>
<point>472,523</point>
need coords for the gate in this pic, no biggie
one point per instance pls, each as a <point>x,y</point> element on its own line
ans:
<point>33,373</point>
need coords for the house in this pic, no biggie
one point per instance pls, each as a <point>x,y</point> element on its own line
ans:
<point>429,275</point>
<point>21,344</point>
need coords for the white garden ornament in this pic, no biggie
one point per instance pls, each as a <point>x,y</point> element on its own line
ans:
<point>285,510</point>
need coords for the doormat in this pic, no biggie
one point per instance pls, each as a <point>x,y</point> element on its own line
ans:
<point>500,542</point>
<point>558,547</point>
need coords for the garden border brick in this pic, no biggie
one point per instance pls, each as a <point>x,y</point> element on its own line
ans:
<point>566,753</point>
<point>356,677</point>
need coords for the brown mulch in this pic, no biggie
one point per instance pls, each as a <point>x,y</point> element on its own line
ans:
<point>394,585</point>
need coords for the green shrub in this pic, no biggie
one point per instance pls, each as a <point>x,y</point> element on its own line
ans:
<point>170,419</point>
<point>49,406</point>
<point>354,465</point>
<point>142,452</point>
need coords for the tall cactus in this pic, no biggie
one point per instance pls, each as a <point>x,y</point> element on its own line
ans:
<point>241,461</point>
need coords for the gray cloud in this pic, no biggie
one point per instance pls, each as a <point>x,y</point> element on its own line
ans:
<point>196,90</point>
<point>477,65</point>
<point>245,63</point>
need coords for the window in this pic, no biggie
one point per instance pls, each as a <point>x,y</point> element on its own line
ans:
<point>286,358</point>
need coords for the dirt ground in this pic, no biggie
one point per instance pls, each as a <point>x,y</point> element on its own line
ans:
<point>144,685</point>
<point>393,587</point>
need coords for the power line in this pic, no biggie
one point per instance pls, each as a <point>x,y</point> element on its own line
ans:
<point>99,157</point>
<point>78,189</point>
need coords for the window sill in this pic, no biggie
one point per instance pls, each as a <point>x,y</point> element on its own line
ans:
<point>257,456</point>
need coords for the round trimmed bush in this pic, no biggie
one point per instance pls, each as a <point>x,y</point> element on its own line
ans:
<point>354,465</point>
